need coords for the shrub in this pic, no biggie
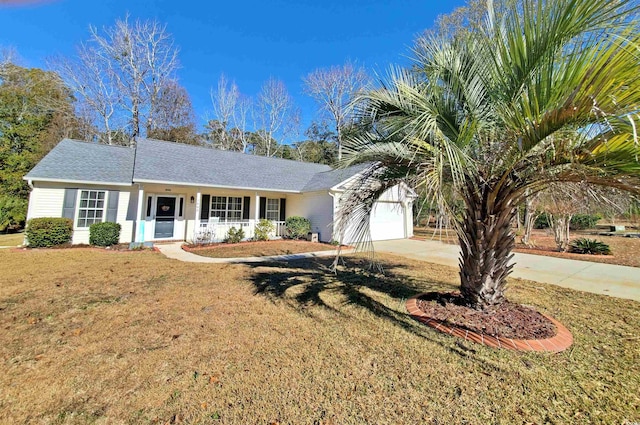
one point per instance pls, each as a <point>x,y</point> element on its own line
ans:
<point>234,235</point>
<point>48,231</point>
<point>542,221</point>
<point>297,227</point>
<point>589,246</point>
<point>263,231</point>
<point>584,221</point>
<point>104,234</point>
<point>578,221</point>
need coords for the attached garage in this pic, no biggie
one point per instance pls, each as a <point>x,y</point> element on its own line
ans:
<point>388,221</point>
<point>391,216</point>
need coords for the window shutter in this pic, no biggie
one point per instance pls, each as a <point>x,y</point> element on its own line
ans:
<point>263,207</point>
<point>205,207</point>
<point>112,206</point>
<point>246,205</point>
<point>283,209</point>
<point>69,203</point>
<point>149,202</point>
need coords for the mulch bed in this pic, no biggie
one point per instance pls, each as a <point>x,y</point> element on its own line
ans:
<point>509,320</point>
<point>258,248</point>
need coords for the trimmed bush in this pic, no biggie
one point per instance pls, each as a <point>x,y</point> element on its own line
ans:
<point>264,228</point>
<point>297,227</point>
<point>48,231</point>
<point>234,235</point>
<point>589,246</point>
<point>584,221</point>
<point>104,234</point>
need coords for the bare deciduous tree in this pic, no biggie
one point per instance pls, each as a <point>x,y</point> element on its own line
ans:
<point>93,81</point>
<point>224,100</point>
<point>173,115</point>
<point>119,74</point>
<point>276,117</point>
<point>334,89</point>
<point>244,107</point>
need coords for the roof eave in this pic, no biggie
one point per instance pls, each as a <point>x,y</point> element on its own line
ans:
<point>51,180</point>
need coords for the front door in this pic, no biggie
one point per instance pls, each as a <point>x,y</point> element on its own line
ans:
<point>165,217</point>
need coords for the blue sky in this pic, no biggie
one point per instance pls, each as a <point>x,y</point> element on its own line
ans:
<point>248,41</point>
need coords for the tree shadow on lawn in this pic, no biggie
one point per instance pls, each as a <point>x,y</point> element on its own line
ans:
<point>311,282</point>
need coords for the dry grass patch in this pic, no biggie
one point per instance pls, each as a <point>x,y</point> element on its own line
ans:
<point>11,239</point>
<point>260,249</point>
<point>624,250</point>
<point>91,337</point>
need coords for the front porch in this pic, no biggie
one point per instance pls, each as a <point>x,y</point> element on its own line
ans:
<point>213,230</point>
<point>205,215</point>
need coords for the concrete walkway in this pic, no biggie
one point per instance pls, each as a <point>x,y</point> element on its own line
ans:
<point>174,250</point>
<point>598,278</point>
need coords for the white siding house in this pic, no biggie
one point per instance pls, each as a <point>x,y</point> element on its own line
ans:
<point>161,191</point>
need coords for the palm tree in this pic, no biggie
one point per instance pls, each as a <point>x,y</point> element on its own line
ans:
<point>548,93</point>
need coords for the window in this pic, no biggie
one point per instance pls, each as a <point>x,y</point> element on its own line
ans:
<point>226,208</point>
<point>273,209</point>
<point>91,209</point>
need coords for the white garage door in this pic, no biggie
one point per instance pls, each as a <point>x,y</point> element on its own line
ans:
<point>387,221</point>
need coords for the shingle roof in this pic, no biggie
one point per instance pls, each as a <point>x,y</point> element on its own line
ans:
<point>168,162</point>
<point>179,163</point>
<point>328,179</point>
<point>72,160</point>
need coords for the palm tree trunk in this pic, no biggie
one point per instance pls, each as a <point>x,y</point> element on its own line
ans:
<point>486,243</point>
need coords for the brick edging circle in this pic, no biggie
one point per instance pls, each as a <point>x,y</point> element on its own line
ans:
<point>560,342</point>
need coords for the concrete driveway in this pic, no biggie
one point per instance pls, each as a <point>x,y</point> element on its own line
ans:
<point>598,278</point>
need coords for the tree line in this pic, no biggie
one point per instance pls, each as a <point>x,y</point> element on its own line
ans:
<point>122,83</point>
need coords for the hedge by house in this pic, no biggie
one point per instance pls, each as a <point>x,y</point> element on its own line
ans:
<point>297,227</point>
<point>104,234</point>
<point>48,231</point>
<point>263,230</point>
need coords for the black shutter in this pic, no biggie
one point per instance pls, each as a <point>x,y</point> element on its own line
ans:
<point>205,207</point>
<point>112,206</point>
<point>69,203</point>
<point>263,207</point>
<point>149,201</point>
<point>246,205</point>
<point>283,209</point>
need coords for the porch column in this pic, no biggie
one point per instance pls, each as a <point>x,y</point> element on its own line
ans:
<point>197,217</point>
<point>257,207</point>
<point>141,219</point>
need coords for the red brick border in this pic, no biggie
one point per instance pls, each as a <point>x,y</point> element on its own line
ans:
<point>560,342</point>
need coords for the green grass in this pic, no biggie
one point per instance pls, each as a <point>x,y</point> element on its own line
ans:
<point>103,337</point>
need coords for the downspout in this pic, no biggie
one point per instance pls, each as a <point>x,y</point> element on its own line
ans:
<point>333,215</point>
<point>29,207</point>
<point>139,237</point>
<point>139,222</point>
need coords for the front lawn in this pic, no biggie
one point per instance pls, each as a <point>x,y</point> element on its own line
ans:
<point>11,239</point>
<point>260,249</point>
<point>90,336</point>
